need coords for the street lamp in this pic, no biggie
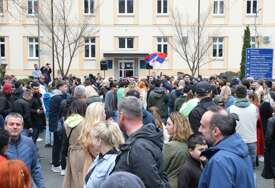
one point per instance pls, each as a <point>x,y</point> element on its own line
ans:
<point>199,20</point>
<point>53,66</point>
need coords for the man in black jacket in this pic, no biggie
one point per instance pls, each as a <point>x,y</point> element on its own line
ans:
<point>204,93</point>
<point>142,152</point>
<point>37,112</point>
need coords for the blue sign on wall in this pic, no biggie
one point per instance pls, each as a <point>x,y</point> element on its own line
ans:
<point>259,63</point>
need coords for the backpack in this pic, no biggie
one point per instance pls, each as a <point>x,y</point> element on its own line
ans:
<point>66,143</point>
<point>179,101</point>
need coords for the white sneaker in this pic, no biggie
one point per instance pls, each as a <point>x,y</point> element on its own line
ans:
<point>261,159</point>
<point>39,139</point>
<point>56,169</point>
<point>63,172</point>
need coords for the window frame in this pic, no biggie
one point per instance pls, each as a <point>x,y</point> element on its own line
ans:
<point>126,43</point>
<point>162,42</point>
<point>90,12</point>
<point>34,4</point>
<point>218,2</point>
<point>2,8</point>
<point>90,44</point>
<point>251,7</point>
<point>162,13</point>
<point>2,43</point>
<point>35,45</point>
<point>217,43</point>
<point>253,41</point>
<point>126,9</point>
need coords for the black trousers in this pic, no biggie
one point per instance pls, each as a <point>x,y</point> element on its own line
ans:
<point>58,142</point>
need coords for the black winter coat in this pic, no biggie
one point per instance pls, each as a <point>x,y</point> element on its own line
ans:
<point>23,107</point>
<point>196,114</point>
<point>189,173</point>
<point>6,102</point>
<point>142,156</point>
<point>37,118</point>
<point>269,154</point>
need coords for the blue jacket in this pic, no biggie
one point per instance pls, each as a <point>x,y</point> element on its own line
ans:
<point>229,165</point>
<point>25,150</point>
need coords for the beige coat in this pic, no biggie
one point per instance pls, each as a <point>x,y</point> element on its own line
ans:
<point>74,177</point>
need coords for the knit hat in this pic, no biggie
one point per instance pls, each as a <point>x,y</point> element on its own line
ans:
<point>203,87</point>
<point>7,88</point>
<point>123,180</point>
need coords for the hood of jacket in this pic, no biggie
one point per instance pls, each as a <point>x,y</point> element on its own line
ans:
<point>148,132</point>
<point>56,92</point>
<point>242,103</point>
<point>233,144</point>
<point>73,120</point>
<point>158,92</point>
<point>206,102</point>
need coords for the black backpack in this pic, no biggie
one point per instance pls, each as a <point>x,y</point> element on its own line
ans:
<point>66,144</point>
<point>179,101</point>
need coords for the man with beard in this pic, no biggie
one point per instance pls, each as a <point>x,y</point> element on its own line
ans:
<point>37,112</point>
<point>141,153</point>
<point>229,164</point>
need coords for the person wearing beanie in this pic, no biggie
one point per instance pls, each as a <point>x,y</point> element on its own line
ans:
<point>6,99</point>
<point>123,179</point>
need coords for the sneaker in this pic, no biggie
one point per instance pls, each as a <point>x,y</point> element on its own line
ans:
<point>56,169</point>
<point>261,158</point>
<point>39,139</point>
<point>63,172</point>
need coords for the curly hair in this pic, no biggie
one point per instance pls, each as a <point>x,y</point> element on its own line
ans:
<point>182,129</point>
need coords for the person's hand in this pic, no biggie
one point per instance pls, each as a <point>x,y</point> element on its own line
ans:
<point>30,130</point>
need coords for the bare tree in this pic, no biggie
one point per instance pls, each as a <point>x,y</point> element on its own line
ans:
<point>191,43</point>
<point>68,30</point>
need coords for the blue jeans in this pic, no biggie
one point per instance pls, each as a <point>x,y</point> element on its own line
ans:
<point>252,153</point>
<point>48,134</point>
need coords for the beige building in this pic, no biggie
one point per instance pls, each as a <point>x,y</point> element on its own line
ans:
<point>123,32</point>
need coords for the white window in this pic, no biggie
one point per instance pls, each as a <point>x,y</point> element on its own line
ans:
<point>2,46</point>
<point>126,42</point>
<point>253,42</point>
<point>89,47</point>
<point>125,6</point>
<point>1,7</point>
<point>251,6</point>
<point>32,7</point>
<point>162,6</point>
<point>218,8</point>
<point>162,44</point>
<point>218,47</point>
<point>33,47</point>
<point>89,6</point>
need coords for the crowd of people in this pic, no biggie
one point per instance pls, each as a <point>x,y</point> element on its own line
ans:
<point>160,131</point>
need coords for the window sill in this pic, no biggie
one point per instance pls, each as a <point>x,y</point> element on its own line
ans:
<point>252,15</point>
<point>31,15</point>
<point>162,15</point>
<point>217,58</point>
<point>89,58</point>
<point>126,49</point>
<point>126,15</point>
<point>218,15</point>
<point>89,14</point>
<point>33,58</point>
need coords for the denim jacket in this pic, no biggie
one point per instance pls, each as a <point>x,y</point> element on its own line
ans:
<point>100,169</point>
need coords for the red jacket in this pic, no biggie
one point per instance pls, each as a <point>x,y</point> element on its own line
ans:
<point>2,158</point>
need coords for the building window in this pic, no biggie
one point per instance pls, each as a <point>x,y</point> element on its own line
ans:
<point>218,8</point>
<point>218,47</point>
<point>162,44</point>
<point>2,46</point>
<point>126,42</point>
<point>125,6</point>
<point>1,7</point>
<point>33,47</point>
<point>162,7</point>
<point>90,47</point>
<point>251,6</point>
<point>32,7</point>
<point>88,6</point>
<point>253,42</point>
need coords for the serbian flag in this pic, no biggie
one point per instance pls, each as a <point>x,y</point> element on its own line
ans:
<point>155,58</point>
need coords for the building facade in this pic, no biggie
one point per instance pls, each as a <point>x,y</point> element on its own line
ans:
<point>123,32</point>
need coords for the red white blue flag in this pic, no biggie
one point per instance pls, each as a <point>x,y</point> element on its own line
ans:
<point>154,58</point>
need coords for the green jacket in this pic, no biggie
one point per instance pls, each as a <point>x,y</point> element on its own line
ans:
<point>174,155</point>
<point>159,98</point>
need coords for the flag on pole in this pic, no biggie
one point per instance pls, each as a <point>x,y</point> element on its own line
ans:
<point>155,58</point>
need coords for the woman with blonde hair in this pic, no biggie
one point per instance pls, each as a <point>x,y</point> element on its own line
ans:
<point>175,151</point>
<point>105,138</point>
<point>14,174</point>
<point>95,113</point>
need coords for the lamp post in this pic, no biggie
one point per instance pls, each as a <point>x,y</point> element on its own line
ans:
<point>198,46</point>
<point>53,66</point>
